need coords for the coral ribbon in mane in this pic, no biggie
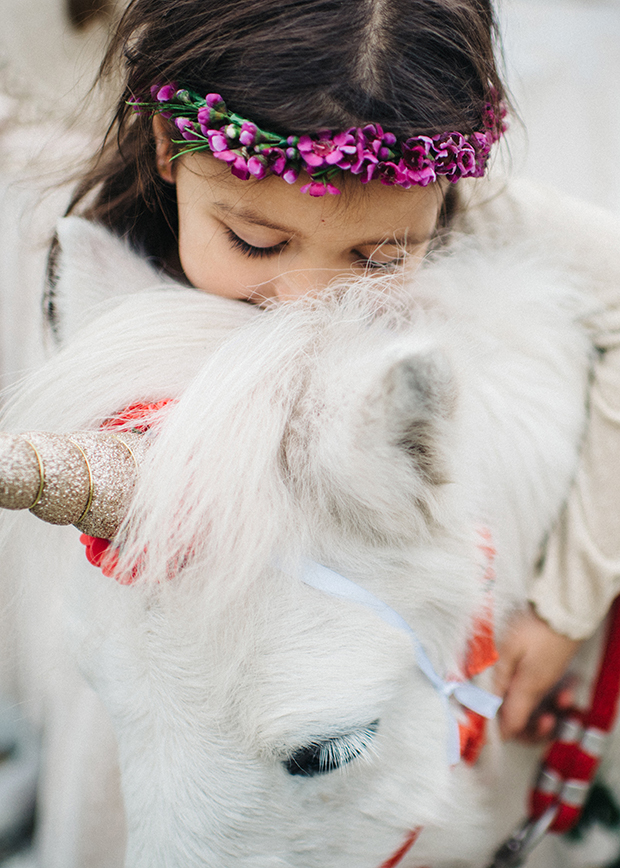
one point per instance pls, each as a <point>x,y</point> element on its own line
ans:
<point>481,653</point>
<point>98,551</point>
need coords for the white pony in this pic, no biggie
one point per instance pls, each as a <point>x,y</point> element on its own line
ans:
<point>262,723</point>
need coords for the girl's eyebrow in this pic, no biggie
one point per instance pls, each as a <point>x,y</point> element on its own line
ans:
<point>247,215</point>
<point>250,216</point>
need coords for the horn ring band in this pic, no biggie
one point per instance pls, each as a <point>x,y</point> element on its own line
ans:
<point>41,475</point>
<point>89,501</point>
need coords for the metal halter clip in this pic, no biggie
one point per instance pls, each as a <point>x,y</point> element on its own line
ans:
<point>517,848</point>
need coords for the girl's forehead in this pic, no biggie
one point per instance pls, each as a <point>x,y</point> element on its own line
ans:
<point>372,212</point>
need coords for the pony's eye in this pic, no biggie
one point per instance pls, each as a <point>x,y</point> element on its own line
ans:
<point>320,757</point>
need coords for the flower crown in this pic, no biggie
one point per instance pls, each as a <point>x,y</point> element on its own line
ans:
<point>205,124</point>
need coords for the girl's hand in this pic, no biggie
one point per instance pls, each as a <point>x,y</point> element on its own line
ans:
<point>532,660</point>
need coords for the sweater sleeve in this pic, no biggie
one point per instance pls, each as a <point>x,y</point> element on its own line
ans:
<point>580,571</point>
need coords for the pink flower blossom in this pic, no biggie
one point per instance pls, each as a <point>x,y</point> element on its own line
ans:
<point>215,101</point>
<point>466,160</point>
<point>392,173</point>
<point>257,167</point>
<point>290,175</point>
<point>186,128</point>
<point>206,116</point>
<point>166,93</point>
<point>448,147</point>
<point>416,151</point>
<point>238,164</point>
<point>276,160</point>
<point>325,150</point>
<point>482,147</point>
<point>372,137</point>
<point>248,134</point>
<point>217,141</point>
<point>318,188</point>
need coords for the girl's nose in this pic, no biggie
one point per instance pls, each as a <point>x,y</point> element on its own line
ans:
<point>306,281</point>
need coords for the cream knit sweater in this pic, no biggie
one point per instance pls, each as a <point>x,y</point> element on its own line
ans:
<point>580,574</point>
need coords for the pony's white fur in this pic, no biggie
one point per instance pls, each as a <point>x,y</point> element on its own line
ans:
<point>374,430</point>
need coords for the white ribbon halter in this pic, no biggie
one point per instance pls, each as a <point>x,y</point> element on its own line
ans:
<point>481,701</point>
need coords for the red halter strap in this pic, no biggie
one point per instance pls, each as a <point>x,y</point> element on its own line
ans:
<point>570,764</point>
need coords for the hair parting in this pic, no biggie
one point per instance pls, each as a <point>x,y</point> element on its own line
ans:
<point>416,67</point>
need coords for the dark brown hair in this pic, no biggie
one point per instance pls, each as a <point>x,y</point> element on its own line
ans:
<point>292,66</point>
<point>81,13</point>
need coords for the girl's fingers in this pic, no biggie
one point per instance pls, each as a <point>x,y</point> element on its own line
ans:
<point>519,705</point>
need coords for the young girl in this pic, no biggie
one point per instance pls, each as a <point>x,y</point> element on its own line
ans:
<point>261,149</point>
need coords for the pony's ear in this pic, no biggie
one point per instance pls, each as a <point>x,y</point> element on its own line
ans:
<point>94,267</point>
<point>419,392</point>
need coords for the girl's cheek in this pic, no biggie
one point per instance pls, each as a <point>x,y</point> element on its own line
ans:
<point>226,273</point>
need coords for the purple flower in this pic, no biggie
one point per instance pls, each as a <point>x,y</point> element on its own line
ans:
<point>238,164</point>
<point>369,171</point>
<point>481,144</point>
<point>290,175</point>
<point>448,147</point>
<point>418,160</point>
<point>276,160</point>
<point>217,141</point>
<point>239,168</point>
<point>417,152</point>
<point>372,136</point>
<point>257,167</point>
<point>334,191</point>
<point>493,119</point>
<point>186,128</point>
<point>205,117</point>
<point>166,93</point>
<point>248,134</point>
<point>320,188</point>
<point>466,160</point>
<point>364,163</point>
<point>215,101</point>
<point>327,151</point>
<point>392,173</point>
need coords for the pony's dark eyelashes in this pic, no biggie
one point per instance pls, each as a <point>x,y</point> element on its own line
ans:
<point>322,756</point>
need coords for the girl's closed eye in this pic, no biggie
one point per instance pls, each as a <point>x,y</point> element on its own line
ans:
<point>252,251</point>
<point>378,264</point>
<point>376,261</point>
<point>380,259</point>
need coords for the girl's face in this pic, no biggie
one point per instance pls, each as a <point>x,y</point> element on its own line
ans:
<point>259,240</point>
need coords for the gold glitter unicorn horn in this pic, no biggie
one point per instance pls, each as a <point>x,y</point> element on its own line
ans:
<point>85,478</point>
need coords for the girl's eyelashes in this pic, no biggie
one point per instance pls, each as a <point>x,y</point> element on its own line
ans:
<point>374,265</point>
<point>253,252</point>
<point>250,250</point>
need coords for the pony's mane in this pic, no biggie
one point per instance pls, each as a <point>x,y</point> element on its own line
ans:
<point>213,497</point>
